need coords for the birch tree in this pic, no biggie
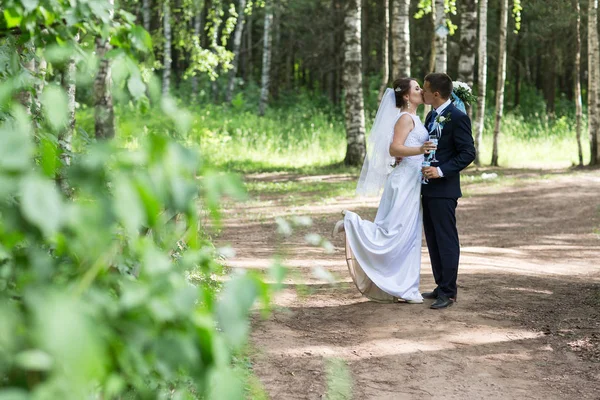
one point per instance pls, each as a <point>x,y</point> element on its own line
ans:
<point>593,76</point>
<point>353,85</point>
<point>167,57</point>
<point>199,7</point>
<point>237,42</point>
<point>468,43</point>
<point>481,79</point>
<point>385,68</point>
<point>104,115</point>
<point>266,61</point>
<point>501,79</point>
<point>441,41</point>
<point>146,9</point>
<point>577,79</point>
<point>401,39</point>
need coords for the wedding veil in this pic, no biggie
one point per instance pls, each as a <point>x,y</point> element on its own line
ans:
<point>378,162</point>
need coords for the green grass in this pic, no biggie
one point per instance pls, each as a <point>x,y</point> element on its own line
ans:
<point>309,139</point>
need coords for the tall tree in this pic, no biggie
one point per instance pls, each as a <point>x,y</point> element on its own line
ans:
<point>41,69</point>
<point>441,38</point>
<point>266,61</point>
<point>237,42</point>
<point>577,76</point>
<point>385,62</point>
<point>353,86</point>
<point>167,55</point>
<point>65,138</point>
<point>198,22</point>
<point>104,114</point>
<point>25,97</point>
<point>146,10</point>
<point>501,78</point>
<point>468,43</point>
<point>481,79</point>
<point>593,76</point>
<point>401,39</point>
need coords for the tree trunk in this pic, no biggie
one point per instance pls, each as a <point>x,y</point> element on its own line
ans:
<point>266,61</point>
<point>481,79</point>
<point>594,75</point>
<point>198,22</point>
<point>218,20</point>
<point>167,60</point>
<point>65,137</point>
<point>355,117</point>
<point>25,96</point>
<point>146,10</point>
<point>41,70</point>
<point>401,39</point>
<point>577,76</point>
<point>103,113</point>
<point>249,45</point>
<point>441,41</point>
<point>385,61</point>
<point>501,79</point>
<point>468,44</point>
<point>237,42</point>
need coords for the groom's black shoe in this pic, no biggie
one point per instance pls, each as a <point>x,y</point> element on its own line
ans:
<point>430,295</point>
<point>442,302</point>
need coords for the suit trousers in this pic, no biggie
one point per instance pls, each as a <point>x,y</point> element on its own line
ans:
<point>439,223</point>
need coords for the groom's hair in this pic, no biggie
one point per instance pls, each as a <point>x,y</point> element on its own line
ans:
<point>440,82</point>
<point>401,88</point>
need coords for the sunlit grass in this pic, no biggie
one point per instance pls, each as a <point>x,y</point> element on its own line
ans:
<point>308,138</point>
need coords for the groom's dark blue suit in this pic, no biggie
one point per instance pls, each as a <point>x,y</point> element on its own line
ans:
<point>455,151</point>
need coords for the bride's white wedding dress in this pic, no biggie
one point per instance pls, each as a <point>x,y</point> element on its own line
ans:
<point>384,256</point>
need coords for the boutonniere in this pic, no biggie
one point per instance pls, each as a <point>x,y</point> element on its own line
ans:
<point>441,120</point>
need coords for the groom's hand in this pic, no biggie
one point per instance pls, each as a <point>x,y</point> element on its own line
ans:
<point>430,172</point>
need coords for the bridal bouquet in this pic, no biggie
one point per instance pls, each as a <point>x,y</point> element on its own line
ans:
<point>464,92</point>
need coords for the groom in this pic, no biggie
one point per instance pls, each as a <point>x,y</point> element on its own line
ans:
<point>455,152</point>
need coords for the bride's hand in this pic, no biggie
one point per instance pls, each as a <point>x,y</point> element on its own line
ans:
<point>427,147</point>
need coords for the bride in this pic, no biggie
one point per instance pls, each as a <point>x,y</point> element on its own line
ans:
<point>384,256</point>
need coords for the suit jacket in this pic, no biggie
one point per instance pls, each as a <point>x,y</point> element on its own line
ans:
<point>455,151</point>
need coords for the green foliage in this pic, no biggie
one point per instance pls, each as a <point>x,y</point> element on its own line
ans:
<point>109,289</point>
<point>93,291</point>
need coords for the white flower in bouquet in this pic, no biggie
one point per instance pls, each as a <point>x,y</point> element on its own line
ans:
<point>464,92</point>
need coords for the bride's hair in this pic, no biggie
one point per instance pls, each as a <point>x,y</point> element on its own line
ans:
<point>401,88</point>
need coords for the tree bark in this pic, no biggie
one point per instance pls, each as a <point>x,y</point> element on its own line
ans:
<point>441,41</point>
<point>385,59</point>
<point>481,79</point>
<point>237,42</point>
<point>352,81</point>
<point>218,20</point>
<point>41,70</point>
<point>146,10</point>
<point>593,76</point>
<point>266,61</point>
<point>501,79</point>
<point>167,56</point>
<point>25,96</point>
<point>104,112</point>
<point>65,137</point>
<point>577,76</point>
<point>198,23</point>
<point>468,43</point>
<point>401,39</point>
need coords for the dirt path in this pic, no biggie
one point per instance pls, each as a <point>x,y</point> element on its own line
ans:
<point>527,324</point>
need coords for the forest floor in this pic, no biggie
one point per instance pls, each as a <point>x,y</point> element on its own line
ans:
<point>527,323</point>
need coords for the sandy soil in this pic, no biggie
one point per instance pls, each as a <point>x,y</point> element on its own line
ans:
<point>527,324</point>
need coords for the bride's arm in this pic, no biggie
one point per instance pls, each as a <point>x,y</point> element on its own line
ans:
<point>401,130</point>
